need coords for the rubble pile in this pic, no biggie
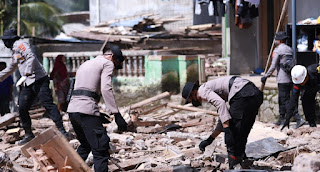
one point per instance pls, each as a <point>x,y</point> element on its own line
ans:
<point>164,138</point>
<point>215,65</point>
<point>149,32</point>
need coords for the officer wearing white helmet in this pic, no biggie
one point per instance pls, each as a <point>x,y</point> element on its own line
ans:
<point>306,81</point>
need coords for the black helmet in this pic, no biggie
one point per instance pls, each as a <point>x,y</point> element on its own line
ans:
<point>10,34</point>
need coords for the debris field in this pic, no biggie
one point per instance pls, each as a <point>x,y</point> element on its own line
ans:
<point>164,136</point>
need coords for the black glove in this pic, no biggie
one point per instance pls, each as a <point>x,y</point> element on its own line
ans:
<point>228,137</point>
<point>287,122</point>
<point>122,124</point>
<point>104,118</point>
<point>264,79</point>
<point>205,143</point>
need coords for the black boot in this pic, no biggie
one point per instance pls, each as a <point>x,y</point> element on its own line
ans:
<point>234,160</point>
<point>300,121</point>
<point>312,124</point>
<point>280,121</point>
<point>27,137</point>
<point>60,127</point>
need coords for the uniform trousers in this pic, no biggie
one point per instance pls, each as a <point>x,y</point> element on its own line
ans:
<point>284,90</point>
<point>4,104</point>
<point>92,137</point>
<point>244,107</point>
<point>308,99</point>
<point>40,88</point>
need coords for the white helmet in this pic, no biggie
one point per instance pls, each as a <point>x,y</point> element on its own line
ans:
<point>298,74</point>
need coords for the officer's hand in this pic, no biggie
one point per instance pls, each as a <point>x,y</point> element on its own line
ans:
<point>205,143</point>
<point>228,137</point>
<point>264,79</point>
<point>104,118</point>
<point>122,124</point>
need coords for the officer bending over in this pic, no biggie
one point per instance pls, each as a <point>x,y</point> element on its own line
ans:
<point>94,77</point>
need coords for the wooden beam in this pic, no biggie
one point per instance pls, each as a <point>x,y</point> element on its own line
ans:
<point>201,26</point>
<point>153,109</point>
<point>8,119</point>
<point>152,123</point>
<point>193,109</point>
<point>162,116</point>
<point>150,100</point>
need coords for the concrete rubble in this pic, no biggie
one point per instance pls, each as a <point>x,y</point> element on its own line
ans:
<point>151,150</point>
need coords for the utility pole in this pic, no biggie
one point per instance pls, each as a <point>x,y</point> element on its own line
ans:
<point>18,20</point>
<point>294,34</point>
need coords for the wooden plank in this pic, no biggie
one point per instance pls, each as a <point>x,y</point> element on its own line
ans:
<point>163,116</point>
<point>13,131</point>
<point>8,119</point>
<point>150,100</point>
<point>39,110</point>
<point>128,164</point>
<point>65,150</point>
<point>55,139</point>
<point>50,149</point>
<point>33,116</point>
<point>32,153</point>
<point>153,109</point>
<point>36,142</point>
<point>152,123</point>
<point>193,109</point>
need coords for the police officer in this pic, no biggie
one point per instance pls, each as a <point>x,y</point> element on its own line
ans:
<point>244,99</point>
<point>280,55</point>
<point>34,82</point>
<point>306,81</point>
<point>94,77</point>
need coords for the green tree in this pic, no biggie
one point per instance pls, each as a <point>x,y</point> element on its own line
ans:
<point>34,14</point>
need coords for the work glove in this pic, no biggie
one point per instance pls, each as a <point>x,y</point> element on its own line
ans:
<point>264,79</point>
<point>21,81</point>
<point>104,118</point>
<point>122,124</point>
<point>228,137</point>
<point>205,143</point>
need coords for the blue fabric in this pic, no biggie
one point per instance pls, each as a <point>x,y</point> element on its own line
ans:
<point>5,86</point>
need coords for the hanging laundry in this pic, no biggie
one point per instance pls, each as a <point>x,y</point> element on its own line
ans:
<point>253,2</point>
<point>245,14</point>
<point>197,10</point>
<point>210,9</point>
<point>203,1</point>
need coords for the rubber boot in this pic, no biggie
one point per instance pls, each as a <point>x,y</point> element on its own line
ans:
<point>300,121</point>
<point>27,137</point>
<point>60,127</point>
<point>280,121</point>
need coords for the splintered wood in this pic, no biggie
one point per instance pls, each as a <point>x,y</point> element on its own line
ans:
<point>134,113</point>
<point>10,118</point>
<point>52,152</point>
